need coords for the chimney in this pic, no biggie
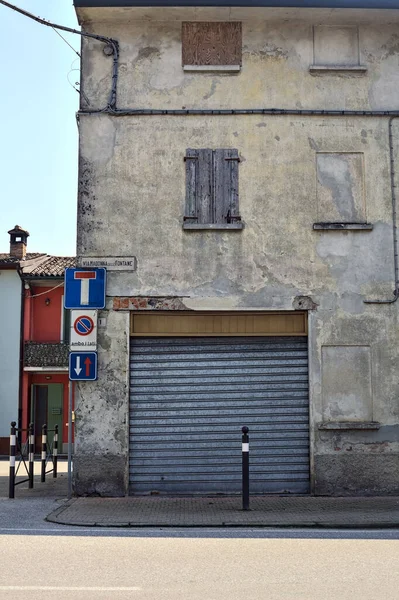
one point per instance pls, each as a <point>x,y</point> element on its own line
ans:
<point>18,242</point>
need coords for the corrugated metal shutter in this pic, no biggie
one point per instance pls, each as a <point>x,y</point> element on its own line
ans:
<point>191,396</point>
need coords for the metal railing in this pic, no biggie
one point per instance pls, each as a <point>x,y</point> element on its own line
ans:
<point>18,452</point>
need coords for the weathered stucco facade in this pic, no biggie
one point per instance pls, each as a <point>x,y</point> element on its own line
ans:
<point>296,170</point>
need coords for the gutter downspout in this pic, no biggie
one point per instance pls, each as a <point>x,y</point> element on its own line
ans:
<point>394,216</point>
<point>21,353</point>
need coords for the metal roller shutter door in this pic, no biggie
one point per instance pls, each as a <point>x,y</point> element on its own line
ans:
<point>189,398</point>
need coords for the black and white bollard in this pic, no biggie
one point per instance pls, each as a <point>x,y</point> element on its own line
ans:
<point>245,469</point>
<point>44,453</point>
<point>55,451</point>
<point>31,456</point>
<point>13,447</point>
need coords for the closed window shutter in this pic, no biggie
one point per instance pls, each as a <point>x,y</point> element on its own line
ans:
<point>191,185</point>
<point>226,186</point>
<point>205,186</point>
<point>212,186</point>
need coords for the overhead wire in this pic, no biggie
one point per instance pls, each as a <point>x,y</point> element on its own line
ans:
<point>66,41</point>
<point>109,42</point>
<point>47,292</point>
<point>77,83</point>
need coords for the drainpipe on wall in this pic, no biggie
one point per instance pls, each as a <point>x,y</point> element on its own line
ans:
<point>394,216</point>
<point>21,354</point>
<point>27,330</point>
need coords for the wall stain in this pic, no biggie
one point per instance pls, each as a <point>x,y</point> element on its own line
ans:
<point>147,52</point>
<point>214,85</point>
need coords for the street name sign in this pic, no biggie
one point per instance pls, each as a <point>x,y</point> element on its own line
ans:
<point>85,288</point>
<point>111,263</point>
<point>83,366</point>
<point>83,335</point>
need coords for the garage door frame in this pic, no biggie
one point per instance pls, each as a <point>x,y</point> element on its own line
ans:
<point>258,332</point>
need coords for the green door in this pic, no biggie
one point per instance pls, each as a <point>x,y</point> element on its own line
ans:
<point>55,399</point>
<point>39,412</point>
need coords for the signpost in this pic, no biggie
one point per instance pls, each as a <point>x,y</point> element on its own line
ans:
<point>83,330</point>
<point>85,288</point>
<point>84,294</point>
<point>83,366</point>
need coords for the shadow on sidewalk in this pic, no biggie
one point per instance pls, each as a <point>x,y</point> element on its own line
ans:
<point>52,487</point>
<point>266,511</point>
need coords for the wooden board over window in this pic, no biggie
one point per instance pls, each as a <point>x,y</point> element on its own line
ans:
<point>158,324</point>
<point>213,44</point>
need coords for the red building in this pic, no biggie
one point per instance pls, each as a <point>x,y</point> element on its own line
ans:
<point>44,382</point>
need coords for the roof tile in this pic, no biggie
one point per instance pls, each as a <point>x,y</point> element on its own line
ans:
<point>5,257</point>
<point>36,264</point>
<point>52,266</point>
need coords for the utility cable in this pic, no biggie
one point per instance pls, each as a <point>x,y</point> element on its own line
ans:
<point>66,41</point>
<point>110,42</point>
<point>48,291</point>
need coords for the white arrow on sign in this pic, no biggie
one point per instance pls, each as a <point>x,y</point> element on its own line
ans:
<point>77,369</point>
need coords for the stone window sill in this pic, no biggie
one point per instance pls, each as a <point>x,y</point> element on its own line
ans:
<point>342,226</point>
<point>214,226</point>
<point>213,68</point>
<point>337,69</point>
<point>349,425</point>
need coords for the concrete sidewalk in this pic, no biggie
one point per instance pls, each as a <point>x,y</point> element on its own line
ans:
<point>55,488</point>
<point>266,511</point>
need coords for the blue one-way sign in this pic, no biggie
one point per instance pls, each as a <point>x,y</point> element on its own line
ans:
<point>85,288</point>
<point>83,366</point>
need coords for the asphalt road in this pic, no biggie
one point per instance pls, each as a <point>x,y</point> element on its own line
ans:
<point>155,568</point>
<point>40,560</point>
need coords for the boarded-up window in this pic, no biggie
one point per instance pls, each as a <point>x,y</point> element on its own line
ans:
<point>340,187</point>
<point>212,44</point>
<point>336,46</point>
<point>212,186</point>
<point>347,383</point>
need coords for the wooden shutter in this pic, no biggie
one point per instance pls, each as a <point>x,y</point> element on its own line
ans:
<point>226,186</point>
<point>205,186</point>
<point>212,43</point>
<point>212,186</point>
<point>191,159</point>
<point>199,186</point>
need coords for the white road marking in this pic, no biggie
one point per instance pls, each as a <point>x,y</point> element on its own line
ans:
<point>55,588</point>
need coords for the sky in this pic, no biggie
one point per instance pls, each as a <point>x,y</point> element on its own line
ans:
<point>39,135</point>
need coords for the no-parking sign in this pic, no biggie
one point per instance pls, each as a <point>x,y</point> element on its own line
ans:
<point>83,330</point>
